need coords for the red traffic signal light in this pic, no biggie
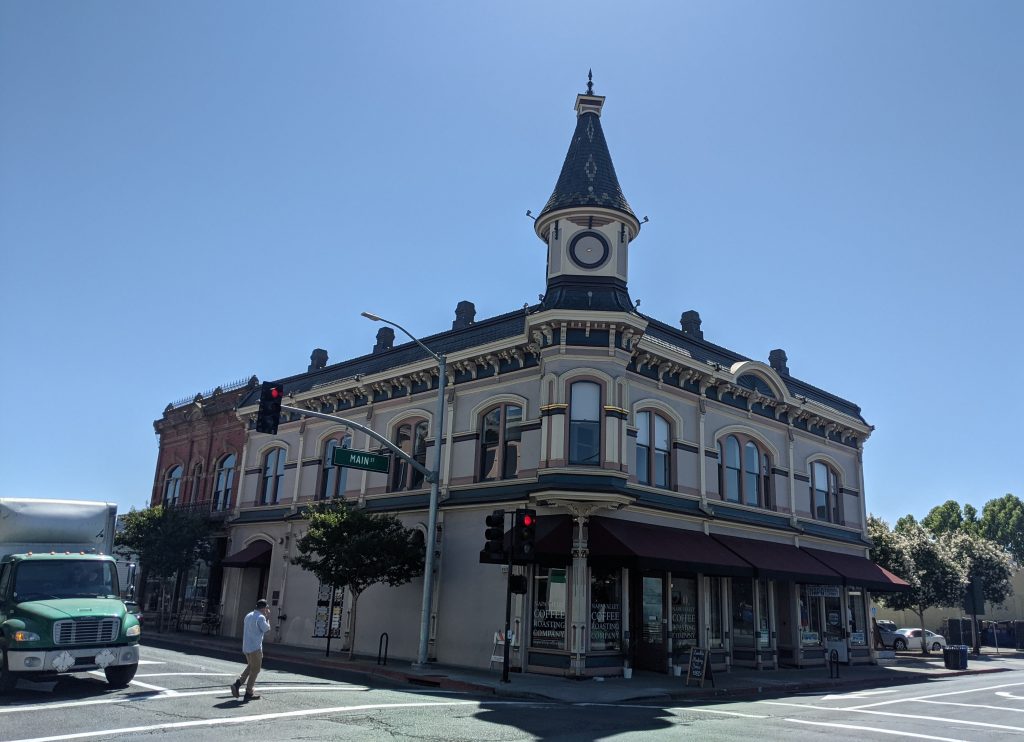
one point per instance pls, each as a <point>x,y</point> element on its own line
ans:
<point>269,415</point>
<point>524,532</point>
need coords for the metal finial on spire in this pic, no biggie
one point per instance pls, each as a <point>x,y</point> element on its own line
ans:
<point>590,82</point>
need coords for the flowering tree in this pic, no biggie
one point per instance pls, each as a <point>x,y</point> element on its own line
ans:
<point>928,563</point>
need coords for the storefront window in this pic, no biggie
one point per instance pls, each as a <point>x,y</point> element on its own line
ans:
<point>810,616</point>
<point>684,612</point>
<point>549,608</point>
<point>858,632</point>
<point>763,633</point>
<point>743,612</point>
<point>605,610</point>
<point>715,617</point>
<point>834,617</point>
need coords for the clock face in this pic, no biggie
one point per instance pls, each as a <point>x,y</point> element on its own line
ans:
<point>589,250</point>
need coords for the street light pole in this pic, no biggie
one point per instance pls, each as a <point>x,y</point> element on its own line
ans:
<point>435,478</point>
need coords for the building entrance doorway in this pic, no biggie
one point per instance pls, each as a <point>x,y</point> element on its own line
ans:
<point>648,622</point>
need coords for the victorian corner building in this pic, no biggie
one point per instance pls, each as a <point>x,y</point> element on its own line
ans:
<point>687,496</point>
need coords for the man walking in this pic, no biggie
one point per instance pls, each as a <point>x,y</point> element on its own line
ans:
<point>253,629</point>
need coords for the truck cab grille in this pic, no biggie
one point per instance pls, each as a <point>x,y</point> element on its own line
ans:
<point>85,631</point>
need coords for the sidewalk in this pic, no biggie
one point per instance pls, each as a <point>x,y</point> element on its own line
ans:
<point>743,682</point>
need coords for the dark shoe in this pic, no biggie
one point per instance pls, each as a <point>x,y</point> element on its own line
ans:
<point>234,688</point>
<point>251,697</point>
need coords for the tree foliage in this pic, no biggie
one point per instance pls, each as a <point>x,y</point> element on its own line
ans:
<point>949,517</point>
<point>346,546</point>
<point>927,562</point>
<point>167,540</point>
<point>984,560</point>
<point>1002,521</point>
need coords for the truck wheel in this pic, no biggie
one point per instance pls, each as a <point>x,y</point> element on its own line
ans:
<point>8,679</point>
<point>120,675</point>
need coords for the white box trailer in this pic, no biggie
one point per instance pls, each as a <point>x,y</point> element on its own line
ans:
<point>43,526</point>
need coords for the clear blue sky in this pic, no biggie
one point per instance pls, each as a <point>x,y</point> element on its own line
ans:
<point>195,192</point>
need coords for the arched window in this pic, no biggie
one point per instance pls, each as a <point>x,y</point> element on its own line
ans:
<point>197,483</point>
<point>744,471</point>
<point>273,474</point>
<point>729,469</point>
<point>411,437</point>
<point>825,492</point>
<point>172,487</point>
<point>225,480</point>
<point>653,449</point>
<point>334,478</point>
<point>500,435</point>
<point>585,423</point>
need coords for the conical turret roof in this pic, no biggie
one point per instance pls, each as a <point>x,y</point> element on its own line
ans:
<point>588,176</point>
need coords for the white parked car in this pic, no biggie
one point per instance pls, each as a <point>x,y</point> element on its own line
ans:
<point>911,639</point>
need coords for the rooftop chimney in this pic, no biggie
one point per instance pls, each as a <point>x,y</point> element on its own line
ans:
<point>385,340</point>
<point>777,360</point>
<point>465,313</point>
<point>690,322</point>
<point>317,359</point>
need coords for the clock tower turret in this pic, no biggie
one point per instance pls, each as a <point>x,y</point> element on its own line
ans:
<point>587,223</point>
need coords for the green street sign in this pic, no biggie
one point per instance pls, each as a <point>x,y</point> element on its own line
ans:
<point>361,460</point>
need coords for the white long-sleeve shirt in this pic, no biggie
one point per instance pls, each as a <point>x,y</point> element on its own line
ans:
<point>254,627</point>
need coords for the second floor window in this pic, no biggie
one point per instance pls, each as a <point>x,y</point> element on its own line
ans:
<point>824,492</point>
<point>411,437</point>
<point>225,480</point>
<point>172,487</point>
<point>273,474</point>
<point>334,477</point>
<point>744,472</point>
<point>499,443</point>
<point>585,423</point>
<point>653,448</point>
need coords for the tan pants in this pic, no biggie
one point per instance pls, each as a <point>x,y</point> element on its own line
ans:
<point>254,663</point>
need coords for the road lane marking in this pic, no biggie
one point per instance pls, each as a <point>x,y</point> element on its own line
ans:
<point>854,694</point>
<point>975,706</point>
<point>873,730</point>
<point>717,711</point>
<point>940,719</point>
<point>147,686</point>
<point>862,710</point>
<point>1005,694</point>
<point>239,720</point>
<point>151,662</point>
<point>152,696</point>
<point>936,695</point>
<point>189,674</point>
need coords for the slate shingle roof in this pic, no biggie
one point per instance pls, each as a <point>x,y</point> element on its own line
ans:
<point>702,350</point>
<point>588,176</point>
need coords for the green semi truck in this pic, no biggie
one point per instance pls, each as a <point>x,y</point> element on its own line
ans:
<point>61,604</point>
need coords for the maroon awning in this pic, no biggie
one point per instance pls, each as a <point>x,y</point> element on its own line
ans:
<point>256,554</point>
<point>780,561</point>
<point>658,547</point>
<point>860,572</point>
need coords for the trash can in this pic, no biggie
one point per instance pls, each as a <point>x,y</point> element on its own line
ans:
<point>954,656</point>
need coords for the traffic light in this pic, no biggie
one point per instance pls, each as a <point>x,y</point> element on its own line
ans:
<point>494,546</point>
<point>524,530</point>
<point>269,415</point>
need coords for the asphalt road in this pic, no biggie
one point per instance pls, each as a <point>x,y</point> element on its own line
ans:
<point>179,696</point>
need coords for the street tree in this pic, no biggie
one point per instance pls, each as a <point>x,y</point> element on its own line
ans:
<point>949,517</point>
<point>902,524</point>
<point>168,541</point>
<point>346,546</point>
<point>926,562</point>
<point>1002,521</point>
<point>986,561</point>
